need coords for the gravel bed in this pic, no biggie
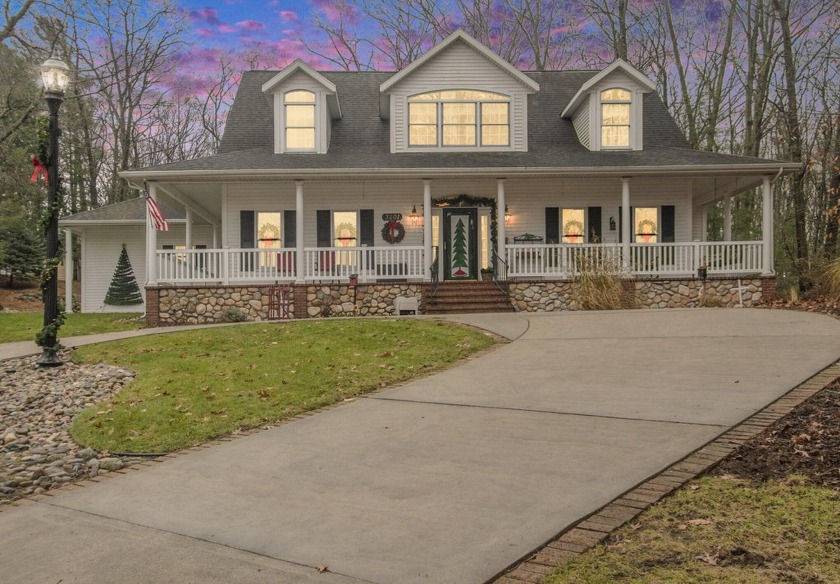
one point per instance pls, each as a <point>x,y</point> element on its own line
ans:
<point>37,406</point>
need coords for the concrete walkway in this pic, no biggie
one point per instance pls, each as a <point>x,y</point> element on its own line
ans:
<point>450,478</point>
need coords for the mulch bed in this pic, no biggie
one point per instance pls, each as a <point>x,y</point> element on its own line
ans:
<point>805,442</point>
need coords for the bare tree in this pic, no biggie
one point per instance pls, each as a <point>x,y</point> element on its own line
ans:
<point>12,17</point>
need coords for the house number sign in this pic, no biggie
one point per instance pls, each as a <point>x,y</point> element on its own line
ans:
<point>392,216</point>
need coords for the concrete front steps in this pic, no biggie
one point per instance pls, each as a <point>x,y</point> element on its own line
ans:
<point>464,297</point>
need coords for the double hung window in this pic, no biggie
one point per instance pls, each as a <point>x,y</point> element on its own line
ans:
<point>615,118</point>
<point>299,108</point>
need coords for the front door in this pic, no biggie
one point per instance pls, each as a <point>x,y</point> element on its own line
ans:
<point>460,244</point>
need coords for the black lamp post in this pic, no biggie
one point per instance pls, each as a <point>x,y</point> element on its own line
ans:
<point>55,75</point>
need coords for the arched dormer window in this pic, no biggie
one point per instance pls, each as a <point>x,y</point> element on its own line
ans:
<point>615,118</point>
<point>459,118</point>
<point>299,116</point>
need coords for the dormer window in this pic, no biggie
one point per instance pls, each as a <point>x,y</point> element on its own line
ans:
<point>615,118</point>
<point>459,118</point>
<point>299,115</point>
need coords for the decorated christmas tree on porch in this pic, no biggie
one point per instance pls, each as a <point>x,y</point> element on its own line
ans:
<point>123,290</point>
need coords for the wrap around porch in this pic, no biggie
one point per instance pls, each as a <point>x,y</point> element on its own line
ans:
<point>507,255</point>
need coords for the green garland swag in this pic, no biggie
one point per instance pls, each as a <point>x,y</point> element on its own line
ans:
<point>42,148</point>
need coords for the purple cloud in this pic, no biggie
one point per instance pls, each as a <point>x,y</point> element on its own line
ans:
<point>250,25</point>
<point>205,15</point>
<point>288,16</point>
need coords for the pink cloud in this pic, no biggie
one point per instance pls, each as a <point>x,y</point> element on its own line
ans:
<point>335,10</point>
<point>250,25</point>
<point>288,16</point>
<point>205,32</point>
<point>205,15</point>
<point>226,28</point>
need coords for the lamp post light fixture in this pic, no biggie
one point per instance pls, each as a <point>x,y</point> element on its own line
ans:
<point>55,75</point>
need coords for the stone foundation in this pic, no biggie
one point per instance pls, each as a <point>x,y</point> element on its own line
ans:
<point>548,296</point>
<point>167,306</point>
<point>205,305</point>
<point>361,300</point>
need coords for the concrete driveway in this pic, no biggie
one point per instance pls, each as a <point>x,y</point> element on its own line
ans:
<point>450,478</point>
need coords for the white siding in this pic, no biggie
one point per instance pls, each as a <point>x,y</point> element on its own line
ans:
<point>526,198</point>
<point>381,196</point>
<point>580,120</point>
<point>300,80</point>
<point>587,118</point>
<point>101,249</point>
<point>459,67</point>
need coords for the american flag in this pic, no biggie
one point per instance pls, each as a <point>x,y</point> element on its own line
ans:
<point>161,224</point>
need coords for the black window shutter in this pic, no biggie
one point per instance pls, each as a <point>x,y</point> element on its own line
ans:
<point>246,229</point>
<point>552,225</point>
<point>668,228</point>
<point>594,224</point>
<point>289,229</point>
<point>322,218</point>
<point>366,227</point>
<point>621,222</point>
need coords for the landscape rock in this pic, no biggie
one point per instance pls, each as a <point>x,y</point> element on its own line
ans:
<point>37,406</point>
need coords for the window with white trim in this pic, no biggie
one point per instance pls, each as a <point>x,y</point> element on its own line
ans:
<point>299,116</point>
<point>646,224</point>
<point>573,225</point>
<point>459,118</point>
<point>615,118</point>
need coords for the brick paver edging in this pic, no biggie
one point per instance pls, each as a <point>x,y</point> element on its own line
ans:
<point>595,528</point>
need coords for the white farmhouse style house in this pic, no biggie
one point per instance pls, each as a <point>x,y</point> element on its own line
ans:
<point>339,193</point>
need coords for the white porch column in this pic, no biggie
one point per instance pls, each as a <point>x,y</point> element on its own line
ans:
<point>427,228</point>
<point>188,242</point>
<point>68,271</point>
<point>151,241</point>
<point>215,236</point>
<point>704,223</point>
<point>626,223</point>
<point>299,231</point>
<point>500,219</point>
<point>727,218</point>
<point>767,225</point>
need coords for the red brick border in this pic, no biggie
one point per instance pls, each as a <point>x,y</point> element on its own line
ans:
<point>595,528</point>
<point>152,306</point>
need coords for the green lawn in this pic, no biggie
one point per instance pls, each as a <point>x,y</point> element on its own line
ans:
<point>23,326</point>
<point>720,530</point>
<point>196,385</point>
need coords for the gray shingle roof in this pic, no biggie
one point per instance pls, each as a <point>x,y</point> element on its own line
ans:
<point>360,140</point>
<point>133,210</point>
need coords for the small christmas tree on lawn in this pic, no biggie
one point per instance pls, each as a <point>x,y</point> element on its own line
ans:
<point>123,290</point>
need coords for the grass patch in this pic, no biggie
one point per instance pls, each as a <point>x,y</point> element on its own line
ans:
<point>722,530</point>
<point>23,326</point>
<point>196,385</point>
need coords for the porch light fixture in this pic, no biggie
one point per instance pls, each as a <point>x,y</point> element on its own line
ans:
<point>56,76</point>
<point>414,217</point>
<point>507,216</point>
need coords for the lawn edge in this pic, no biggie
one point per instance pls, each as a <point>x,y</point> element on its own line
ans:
<point>588,532</point>
<point>242,432</point>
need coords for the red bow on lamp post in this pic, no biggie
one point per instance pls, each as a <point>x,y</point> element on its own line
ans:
<point>40,170</point>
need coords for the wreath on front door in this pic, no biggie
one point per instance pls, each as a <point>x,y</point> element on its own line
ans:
<point>393,231</point>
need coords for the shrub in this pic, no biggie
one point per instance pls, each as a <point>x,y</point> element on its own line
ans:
<point>600,284</point>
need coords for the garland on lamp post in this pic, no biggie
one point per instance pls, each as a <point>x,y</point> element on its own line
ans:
<point>55,76</point>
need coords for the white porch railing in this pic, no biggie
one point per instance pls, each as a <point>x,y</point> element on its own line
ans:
<point>368,263</point>
<point>646,259</point>
<point>243,266</point>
